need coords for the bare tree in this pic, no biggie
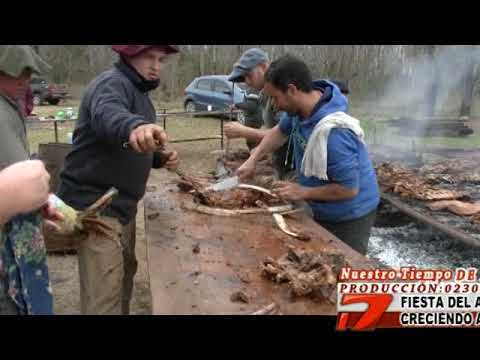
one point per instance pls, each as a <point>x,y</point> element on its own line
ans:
<point>469,84</point>
<point>432,95</point>
<point>376,67</point>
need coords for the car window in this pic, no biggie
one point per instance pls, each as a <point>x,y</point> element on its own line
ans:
<point>221,86</point>
<point>204,84</point>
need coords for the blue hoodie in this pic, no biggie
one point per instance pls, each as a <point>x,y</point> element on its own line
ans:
<point>348,162</point>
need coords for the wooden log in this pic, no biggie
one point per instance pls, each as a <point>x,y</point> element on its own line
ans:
<point>425,219</point>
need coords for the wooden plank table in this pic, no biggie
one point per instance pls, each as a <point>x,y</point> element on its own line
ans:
<point>231,249</point>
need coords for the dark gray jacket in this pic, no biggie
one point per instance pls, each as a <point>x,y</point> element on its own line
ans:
<point>114,104</point>
<point>13,135</point>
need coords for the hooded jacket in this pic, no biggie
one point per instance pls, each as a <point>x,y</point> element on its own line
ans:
<point>348,161</point>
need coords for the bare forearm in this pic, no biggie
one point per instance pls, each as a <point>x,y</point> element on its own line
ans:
<point>5,210</point>
<point>272,140</point>
<point>3,218</point>
<point>329,193</point>
<point>256,135</point>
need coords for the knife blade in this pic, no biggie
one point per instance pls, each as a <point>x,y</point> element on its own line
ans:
<point>226,184</point>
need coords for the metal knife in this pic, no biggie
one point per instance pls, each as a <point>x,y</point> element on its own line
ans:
<point>226,184</point>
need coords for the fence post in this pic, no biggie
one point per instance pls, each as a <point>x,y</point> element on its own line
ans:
<point>221,133</point>
<point>164,120</point>
<point>56,130</point>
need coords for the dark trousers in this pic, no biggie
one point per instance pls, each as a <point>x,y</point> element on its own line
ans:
<point>354,233</point>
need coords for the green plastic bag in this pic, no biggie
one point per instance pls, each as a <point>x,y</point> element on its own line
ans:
<point>60,116</point>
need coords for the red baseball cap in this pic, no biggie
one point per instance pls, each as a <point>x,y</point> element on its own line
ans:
<point>134,50</point>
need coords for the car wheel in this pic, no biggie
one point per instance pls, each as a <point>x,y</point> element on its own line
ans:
<point>54,101</point>
<point>241,117</point>
<point>37,100</point>
<point>190,106</point>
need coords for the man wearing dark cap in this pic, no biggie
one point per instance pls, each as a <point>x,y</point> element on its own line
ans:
<point>251,69</point>
<point>115,144</point>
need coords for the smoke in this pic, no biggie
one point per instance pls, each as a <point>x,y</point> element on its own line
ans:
<point>408,92</point>
<point>410,85</point>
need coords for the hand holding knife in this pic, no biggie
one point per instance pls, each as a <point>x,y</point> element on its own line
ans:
<point>168,157</point>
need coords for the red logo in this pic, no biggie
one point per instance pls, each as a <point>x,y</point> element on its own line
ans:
<point>377,304</point>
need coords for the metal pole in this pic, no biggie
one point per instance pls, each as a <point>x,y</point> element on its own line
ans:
<point>56,131</point>
<point>230,116</point>
<point>221,133</point>
<point>164,120</point>
<point>197,113</point>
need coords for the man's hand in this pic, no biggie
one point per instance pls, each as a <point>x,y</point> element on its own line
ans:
<point>289,191</point>
<point>50,214</point>
<point>172,162</point>
<point>234,130</point>
<point>147,138</point>
<point>247,170</point>
<point>24,187</point>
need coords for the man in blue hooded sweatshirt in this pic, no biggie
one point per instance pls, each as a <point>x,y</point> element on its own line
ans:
<point>335,175</point>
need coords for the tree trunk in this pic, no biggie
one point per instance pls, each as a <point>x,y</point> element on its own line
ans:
<point>202,60</point>
<point>433,92</point>
<point>214,59</point>
<point>467,98</point>
<point>240,50</point>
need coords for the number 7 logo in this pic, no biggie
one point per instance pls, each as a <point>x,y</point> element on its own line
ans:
<point>377,304</point>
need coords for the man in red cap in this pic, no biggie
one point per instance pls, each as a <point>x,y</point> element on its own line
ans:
<point>115,144</point>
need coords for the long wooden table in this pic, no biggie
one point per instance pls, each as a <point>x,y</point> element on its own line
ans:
<point>183,281</point>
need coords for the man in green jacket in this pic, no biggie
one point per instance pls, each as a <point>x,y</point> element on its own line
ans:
<point>24,281</point>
